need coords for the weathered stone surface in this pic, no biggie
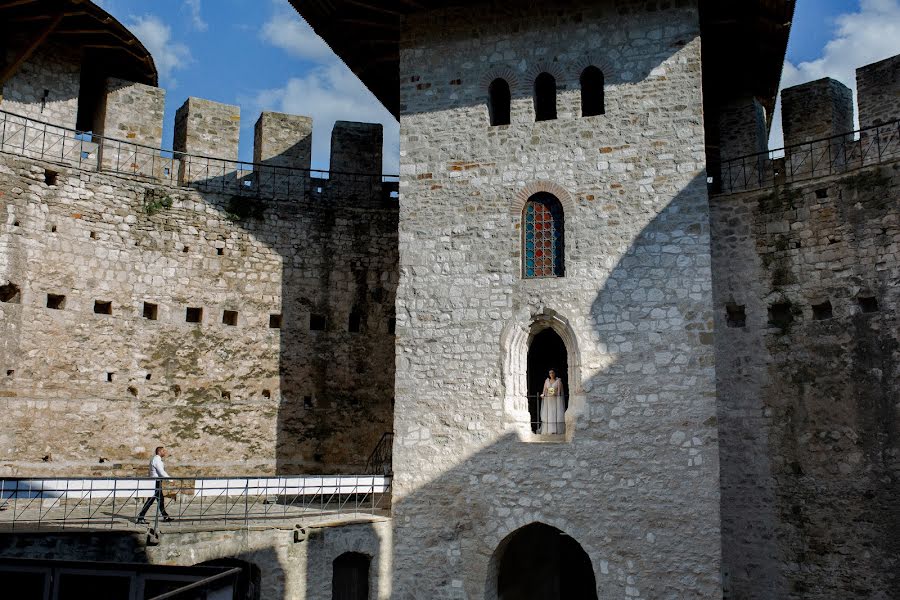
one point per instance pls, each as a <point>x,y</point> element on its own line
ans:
<point>808,409</point>
<point>878,92</point>
<point>243,399</point>
<point>289,569</point>
<point>636,483</point>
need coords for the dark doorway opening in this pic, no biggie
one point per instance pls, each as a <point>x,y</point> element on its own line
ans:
<point>350,577</point>
<point>547,351</point>
<point>543,563</point>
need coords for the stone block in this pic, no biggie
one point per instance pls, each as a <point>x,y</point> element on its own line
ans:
<point>130,119</point>
<point>816,110</point>
<point>209,132</point>
<point>878,92</point>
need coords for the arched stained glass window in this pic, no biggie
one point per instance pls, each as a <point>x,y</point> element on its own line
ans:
<point>542,237</point>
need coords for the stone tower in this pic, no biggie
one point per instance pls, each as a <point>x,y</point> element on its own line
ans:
<point>584,121</point>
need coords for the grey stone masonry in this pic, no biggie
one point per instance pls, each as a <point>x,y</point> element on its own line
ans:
<point>209,133</point>
<point>132,112</point>
<point>45,87</point>
<point>208,128</point>
<point>816,110</point>
<point>356,147</point>
<point>878,92</point>
<point>634,479</point>
<point>742,128</point>
<point>283,140</point>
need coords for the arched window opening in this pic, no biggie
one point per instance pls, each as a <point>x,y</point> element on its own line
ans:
<point>548,351</point>
<point>500,99</point>
<point>592,96</point>
<point>544,97</point>
<point>350,577</point>
<point>543,239</point>
<point>540,562</point>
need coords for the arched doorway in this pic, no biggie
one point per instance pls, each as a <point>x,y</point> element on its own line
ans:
<point>546,351</point>
<point>540,562</point>
<point>350,577</point>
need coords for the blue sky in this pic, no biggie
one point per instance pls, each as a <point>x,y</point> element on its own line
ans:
<point>261,55</point>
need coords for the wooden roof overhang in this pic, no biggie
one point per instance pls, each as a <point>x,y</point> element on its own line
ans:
<point>744,42</point>
<point>100,40</point>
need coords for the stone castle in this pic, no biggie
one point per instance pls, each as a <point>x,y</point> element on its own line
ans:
<point>584,187</point>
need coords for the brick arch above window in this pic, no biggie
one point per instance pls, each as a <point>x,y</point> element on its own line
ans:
<point>592,60</point>
<point>502,72</point>
<point>553,68</point>
<point>518,203</point>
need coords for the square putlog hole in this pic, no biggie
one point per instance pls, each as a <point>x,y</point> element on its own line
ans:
<point>822,312</point>
<point>102,307</point>
<point>56,301</point>
<point>151,311</point>
<point>230,318</point>
<point>50,177</point>
<point>193,314</point>
<point>735,315</point>
<point>317,322</point>
<point>10,293</point>
<point>275,321</point>
<point>780,315</point>
<point>868,304</point>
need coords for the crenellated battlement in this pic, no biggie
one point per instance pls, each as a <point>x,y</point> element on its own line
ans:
<point>819,137</point>
<point>127,132</point>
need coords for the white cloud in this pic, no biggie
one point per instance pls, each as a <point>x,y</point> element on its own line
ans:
<point>328,91</point>
<point>156,36</point>
<point>293,35</point>
<point>861,38</point>
<point>193,8</point>
<point>327,94</point>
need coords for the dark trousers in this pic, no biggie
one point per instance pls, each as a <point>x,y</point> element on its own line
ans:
<point>156,497</point>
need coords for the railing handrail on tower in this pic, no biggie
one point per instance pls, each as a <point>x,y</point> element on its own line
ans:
<point>818,158</point>
<point>110,502</point>
<point>25,136</point>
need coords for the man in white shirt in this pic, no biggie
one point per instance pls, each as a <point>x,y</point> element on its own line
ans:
<point>158,472</point>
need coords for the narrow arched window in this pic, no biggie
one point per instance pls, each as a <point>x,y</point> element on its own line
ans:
<point>544,97</point>
<point>592,99</point>
<point>499,101</point>
<point>543,241</point>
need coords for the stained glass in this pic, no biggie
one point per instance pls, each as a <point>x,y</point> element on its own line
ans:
<point>543,238</point>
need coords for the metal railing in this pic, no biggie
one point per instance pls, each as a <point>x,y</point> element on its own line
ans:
<point>31,138</point>
<point>381,460</point>
<point>819,158</point>
<point>544,420</point>
<point>107,503</point>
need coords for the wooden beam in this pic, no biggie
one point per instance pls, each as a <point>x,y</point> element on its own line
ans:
<point>24,19</point>
<point>15,3</point>
<point>374,7</point>
<point>29,50</point>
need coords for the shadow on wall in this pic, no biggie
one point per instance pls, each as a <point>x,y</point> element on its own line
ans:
<point>640,475</point>
<point>335,323</point>
<point>107,548</point>
<point>348,562</point>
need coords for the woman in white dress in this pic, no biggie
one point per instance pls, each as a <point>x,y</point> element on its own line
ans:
<point>553,406</point>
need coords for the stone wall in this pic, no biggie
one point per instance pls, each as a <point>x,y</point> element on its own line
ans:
<point>808,379</point>
<point>292,566</point>
<point>816,110</point>
<point>100,364</point>
<point>878,87</point>
<point>635,480</point>
<point>45,87</point>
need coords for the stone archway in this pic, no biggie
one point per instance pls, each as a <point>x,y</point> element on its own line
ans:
<point>540,562</point>
<point>517,340</point>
